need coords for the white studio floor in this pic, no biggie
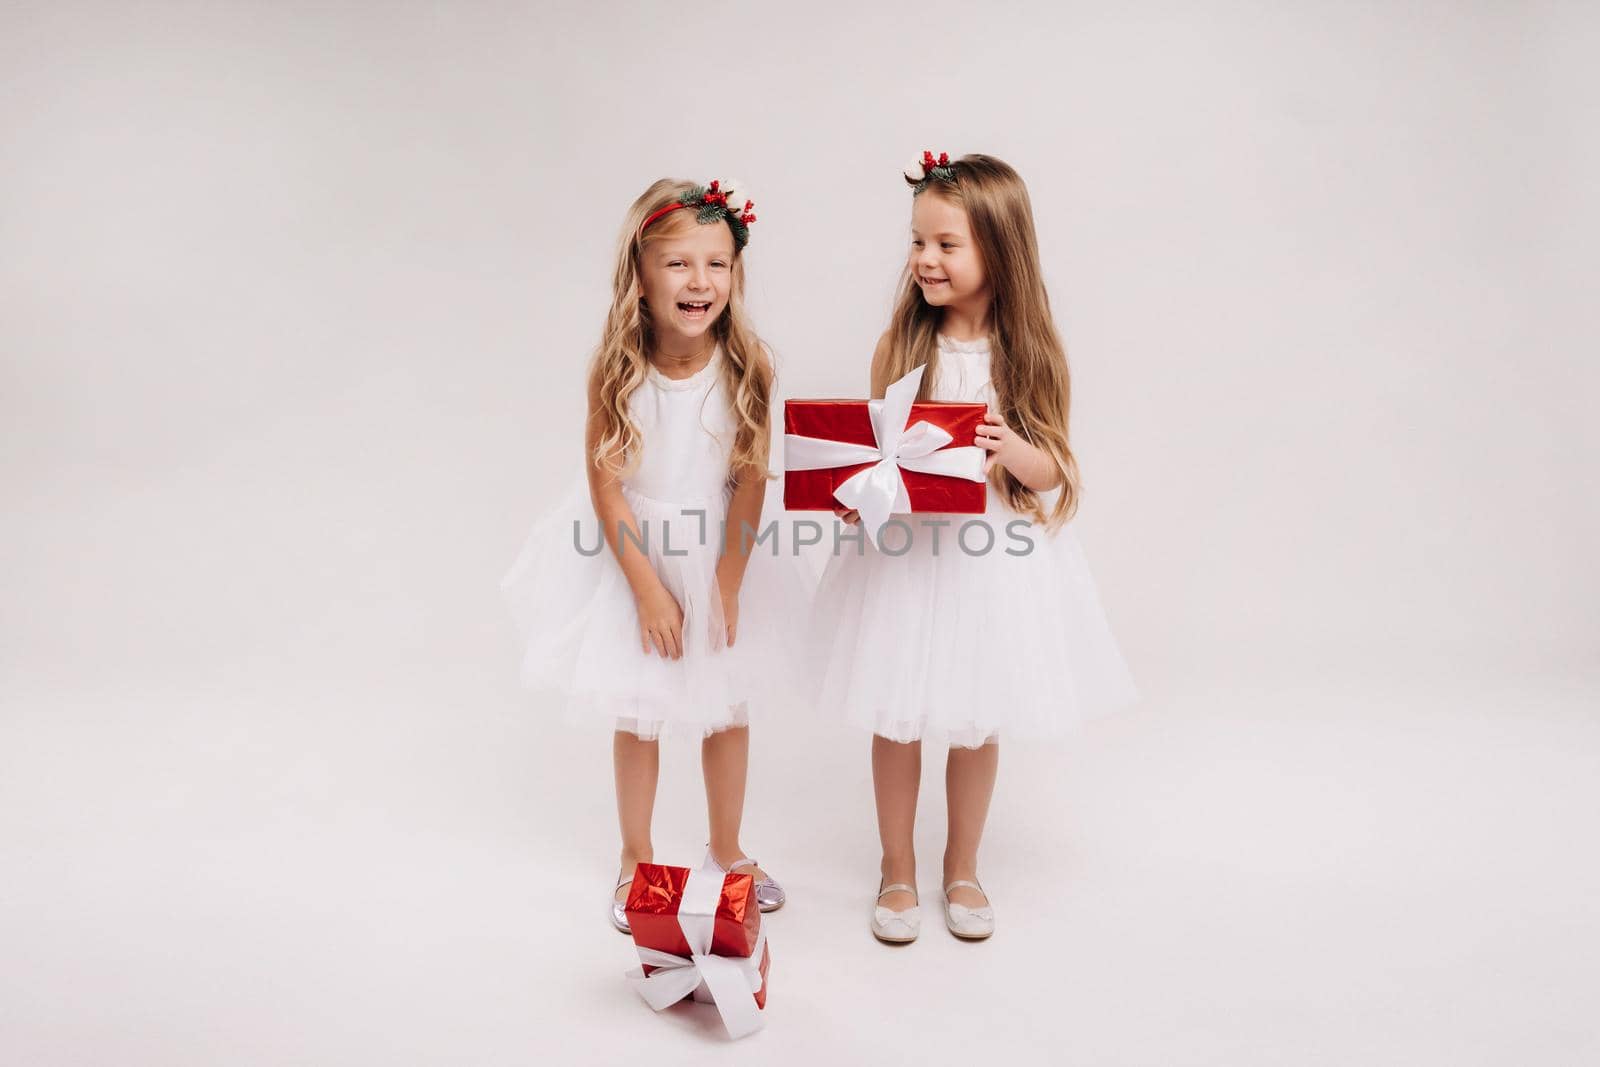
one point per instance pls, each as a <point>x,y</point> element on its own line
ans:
<point>1386,872</point>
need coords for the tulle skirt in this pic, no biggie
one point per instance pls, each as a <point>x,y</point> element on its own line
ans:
<point>947,641</point>
<point>579,630</point>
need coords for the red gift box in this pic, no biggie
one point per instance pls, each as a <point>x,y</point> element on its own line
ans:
<point>850,422</point>
<point>655,901</point>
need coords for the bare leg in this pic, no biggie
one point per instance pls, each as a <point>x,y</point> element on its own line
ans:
<point>725,760</point>
<point>896,775</point>
<point>638,765</point>
<point>969,775</point>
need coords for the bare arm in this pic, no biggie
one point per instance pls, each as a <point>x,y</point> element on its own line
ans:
<point>605,491</point>
<point>660,616</point>
<point>880,368</point>
<point>744,514</point>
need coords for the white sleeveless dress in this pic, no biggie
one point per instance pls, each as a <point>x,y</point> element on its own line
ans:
<point>575,610</point>
<point>964,646</point>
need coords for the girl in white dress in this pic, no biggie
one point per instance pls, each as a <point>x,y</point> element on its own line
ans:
<point>965,627</point>
<point>670,620</point>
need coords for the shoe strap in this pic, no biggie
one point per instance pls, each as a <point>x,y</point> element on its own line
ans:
<point>963,884</point>
<point>742,861</point>
<point>898,887</point>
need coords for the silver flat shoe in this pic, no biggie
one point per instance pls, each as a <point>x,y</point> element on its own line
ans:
<point>769,894</point>
<point>896,927</point>
<point>969,924</point>
<point>619,908</point>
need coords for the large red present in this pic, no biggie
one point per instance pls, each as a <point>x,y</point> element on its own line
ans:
<point>699,933</point>
<point>883,457</point>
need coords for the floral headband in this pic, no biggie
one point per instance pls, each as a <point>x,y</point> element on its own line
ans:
<point>717,200</point>
<point>930,169</point>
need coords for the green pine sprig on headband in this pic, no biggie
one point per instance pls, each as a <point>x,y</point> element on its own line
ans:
<point>927,169</point>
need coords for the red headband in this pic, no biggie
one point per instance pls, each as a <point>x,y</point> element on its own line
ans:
<point>657,214</point>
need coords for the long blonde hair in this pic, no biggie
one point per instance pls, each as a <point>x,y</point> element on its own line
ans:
<point>1028,363</point>
<point>621,364</point>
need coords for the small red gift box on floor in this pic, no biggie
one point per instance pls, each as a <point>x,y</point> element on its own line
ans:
<point>699,933</point>
<point>884,457</point>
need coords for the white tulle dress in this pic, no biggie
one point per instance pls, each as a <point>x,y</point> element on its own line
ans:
<point>575,611</point>
<point>965,646</point>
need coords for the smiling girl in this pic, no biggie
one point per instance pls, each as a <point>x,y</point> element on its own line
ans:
<point>674,625</point>
<point>968,638</point>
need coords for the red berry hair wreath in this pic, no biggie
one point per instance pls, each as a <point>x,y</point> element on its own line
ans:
<point>927,169</point>
<point>711,202</point>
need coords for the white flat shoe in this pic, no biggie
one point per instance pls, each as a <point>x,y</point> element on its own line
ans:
<point>970,924</point>
<point>619,908</point>
<point>769,894</point>
<point>896,927</point>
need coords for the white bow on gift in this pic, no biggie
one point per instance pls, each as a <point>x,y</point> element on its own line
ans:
<point>880,491</point>
<point>729,982</point>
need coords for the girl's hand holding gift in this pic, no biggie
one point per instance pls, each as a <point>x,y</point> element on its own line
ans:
<point>1000,441</point>
<point>1032,466</point>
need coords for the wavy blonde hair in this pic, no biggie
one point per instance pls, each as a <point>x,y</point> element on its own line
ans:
<point>1028,363</point>
<point>621,361</point>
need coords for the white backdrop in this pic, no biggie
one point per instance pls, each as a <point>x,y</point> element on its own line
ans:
<point>295,304</point>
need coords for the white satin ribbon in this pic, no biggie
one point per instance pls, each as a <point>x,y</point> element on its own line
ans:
<point>880,491</point>
<point>729,982</point>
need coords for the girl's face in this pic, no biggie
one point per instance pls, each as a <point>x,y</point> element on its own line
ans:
<point>943,258</point>
<point>687,276</point>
